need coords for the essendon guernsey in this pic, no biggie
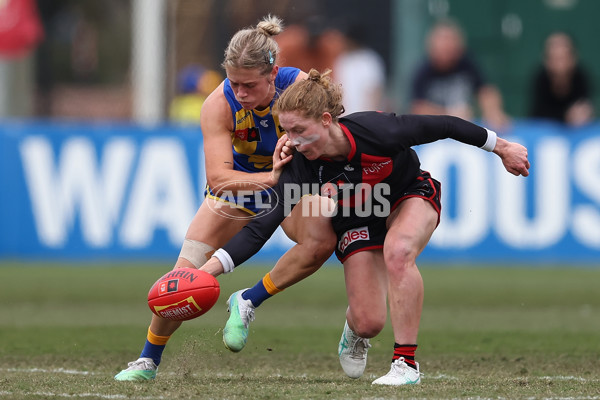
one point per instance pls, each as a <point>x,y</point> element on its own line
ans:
<point>378,171</point>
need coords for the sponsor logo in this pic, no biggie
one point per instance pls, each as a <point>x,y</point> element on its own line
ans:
<point>172,285</point>
<point>352,236</point>
<point>181,310</point>
<point>375,167</point>
<point>349,168</point>
<point>180,273</point>
<point>264,123</point>
<point>243,118</point>
<point>169,286</point>
<point>248,134</point>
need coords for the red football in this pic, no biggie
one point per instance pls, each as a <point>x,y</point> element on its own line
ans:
<point>183,294</point>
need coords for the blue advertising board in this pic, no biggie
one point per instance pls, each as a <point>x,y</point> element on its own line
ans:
<point>89,191</point>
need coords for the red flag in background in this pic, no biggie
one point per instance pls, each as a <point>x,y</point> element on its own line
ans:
<point>20,27</point>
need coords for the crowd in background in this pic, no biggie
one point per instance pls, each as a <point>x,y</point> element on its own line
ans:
<point>447,81</point>
<point>81,68</point>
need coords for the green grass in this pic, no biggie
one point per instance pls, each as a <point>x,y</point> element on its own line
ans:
<point>486,332</point>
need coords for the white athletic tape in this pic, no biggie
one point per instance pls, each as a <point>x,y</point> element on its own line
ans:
<point>225,259</point>
<point>196,252</point>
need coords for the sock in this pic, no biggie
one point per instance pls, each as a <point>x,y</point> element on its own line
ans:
<point>407,351</point>
<point>154,347</point>
<point>264,289</point>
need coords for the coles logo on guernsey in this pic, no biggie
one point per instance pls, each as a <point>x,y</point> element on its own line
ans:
<point>352,236</point>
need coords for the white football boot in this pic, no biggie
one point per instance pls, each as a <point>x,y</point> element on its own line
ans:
<point>142,369</point>
<point>352,351</point>
<point>400,374</point>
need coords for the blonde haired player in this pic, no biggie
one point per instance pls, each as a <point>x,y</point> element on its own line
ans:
<point>240,134</point>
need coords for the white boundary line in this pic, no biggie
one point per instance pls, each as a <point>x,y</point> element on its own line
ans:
<point>52,370</point>
<point>78,395</point>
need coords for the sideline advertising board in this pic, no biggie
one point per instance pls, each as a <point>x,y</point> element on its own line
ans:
<point>88,191</point>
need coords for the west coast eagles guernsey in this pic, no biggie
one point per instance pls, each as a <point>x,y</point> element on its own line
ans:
<point>380,153</point>
<point>256,132</point>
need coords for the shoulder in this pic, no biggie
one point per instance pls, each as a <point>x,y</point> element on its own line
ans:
<point>287,75</point>
<point>367,117</point>
<point>216,109</point>
<point>371,124</point>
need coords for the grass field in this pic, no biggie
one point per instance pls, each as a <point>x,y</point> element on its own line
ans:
<point>485,333</point>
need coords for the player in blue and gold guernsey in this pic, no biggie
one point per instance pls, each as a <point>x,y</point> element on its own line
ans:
<point>240,135</point>
<point>387,208</point>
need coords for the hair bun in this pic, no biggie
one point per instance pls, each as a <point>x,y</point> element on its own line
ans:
<point>314,75</point>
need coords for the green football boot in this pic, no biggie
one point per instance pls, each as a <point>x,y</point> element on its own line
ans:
<point>241,312</point>
<point>142,369</point>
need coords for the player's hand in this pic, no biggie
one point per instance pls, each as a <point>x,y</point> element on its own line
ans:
<point>288,149</point>
<point>282,155</point>
<point>514,157</point>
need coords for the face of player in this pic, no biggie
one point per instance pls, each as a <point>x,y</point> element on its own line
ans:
<point>251,87</point>
<point>308,135</point>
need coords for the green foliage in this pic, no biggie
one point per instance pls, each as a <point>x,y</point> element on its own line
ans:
<point>485,332</point>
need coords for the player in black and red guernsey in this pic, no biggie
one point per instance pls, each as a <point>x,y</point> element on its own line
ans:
<point>385,210</point>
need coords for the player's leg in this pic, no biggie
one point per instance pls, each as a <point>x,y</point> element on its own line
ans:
<point>309,226</point>
<point>207,232</point>
<point>410,227</point>
<point>366,287</point>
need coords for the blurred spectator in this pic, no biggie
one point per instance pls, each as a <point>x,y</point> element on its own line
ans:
<point>311,44</point>
<point>317,43</point>
<point>449,82</point>
<point>561,88</point>
<point>194,84</point>
<point>361,72</point>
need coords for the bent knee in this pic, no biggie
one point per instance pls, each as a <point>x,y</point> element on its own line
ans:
<point>368,326</point>
<point>322,249</point>
<point>320,243</point>
<point>399,256</point>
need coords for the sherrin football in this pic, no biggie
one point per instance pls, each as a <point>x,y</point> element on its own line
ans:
<point>183,294</point>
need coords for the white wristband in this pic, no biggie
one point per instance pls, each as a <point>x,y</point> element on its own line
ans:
<point>490,143</point>
<point>225,259</point>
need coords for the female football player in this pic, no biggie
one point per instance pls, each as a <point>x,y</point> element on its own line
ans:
<point>239,135</point>
<point>387,208</point>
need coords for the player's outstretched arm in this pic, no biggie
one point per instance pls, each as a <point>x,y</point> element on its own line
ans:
<point>513,156</point>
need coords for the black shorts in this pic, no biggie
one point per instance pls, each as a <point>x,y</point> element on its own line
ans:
<point>362,234</point>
